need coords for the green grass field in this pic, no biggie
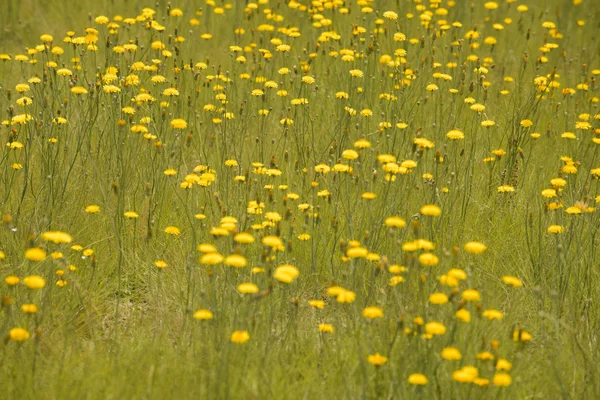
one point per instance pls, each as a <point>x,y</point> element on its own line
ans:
<point>299,199</point>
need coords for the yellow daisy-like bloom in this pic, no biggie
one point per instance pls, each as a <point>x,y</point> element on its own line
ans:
<point>247,288</point>
<point>240,337</point>
<point>211,258</point>
<point>203,315</point>
<point>236,260</point>
<point>326,328</point>
<point>451,353</point>
<point>475,247</point>
<point>179,123</point>
<point>438,298</point>
<point>372,313</point>
<point>18,334</point>
<point>35,254</point>
<point>417,379</point>
<point>172,230</point>
<point>377,359</point>
<point>286,273</point>
<point>57,237</point>
<point>435,328</point>
<point>34,282</point>
<point>431,210</point>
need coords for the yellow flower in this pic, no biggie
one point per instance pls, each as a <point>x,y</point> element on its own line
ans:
<point>34,282</point>
<point>247,288</point>
<point>236,260</point>
<point>320,304</point>
<point>57,237</point>
<point>131,214</point>
<point>466,374</point>
<point>29,308</point>
<point>417,379</point>
<point>92,209</point>
<point>372,312</point>
<point>357,252</point>
<point>326,328</point>
<point>435,328</point>
<point>286,273</point>
<point>160,264</point>
<point>431,210</point>
<point>503,365</point>
<point>178,123</point>
<point>345,296</point>
<point>502,379</point>
<point>211,258</point>
<point>203,315</point>
<point>377,359</point>
<point>475,247</point>
<point>555,229</point>
<point>18,334</point>
<point>172,230</point>
<point>512,281</point>
<point>493,314</point>
<point>438,298</point>
<point>35,254</point>
<point>240,337</point>
<point>395,222</point>
<point>451,353</point>
<point>12,280</point>
<point>471,295</point>
<point>428,259</point>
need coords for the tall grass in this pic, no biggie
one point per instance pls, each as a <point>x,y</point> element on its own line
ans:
<point>457,119</point>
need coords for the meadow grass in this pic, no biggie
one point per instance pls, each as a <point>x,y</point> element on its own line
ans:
<point>299,199</point>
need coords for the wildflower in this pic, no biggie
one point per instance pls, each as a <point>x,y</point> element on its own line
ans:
<point>236,260</point>
<point>475,247</point>
<point>377,359</point>
<point>57,237</point>
<point>395,222</point>
<point>34,282</point>
<point>203,315</point>
<point>372,313</point>
<point>502,379</point>
<point>451,353</point>
<point>463,315</point>
<point>428,259</point>
<point>417,379</point>
<point>326,328</point>
<point>247,288</point>
<point>211,258</point>
<point>35,254</point>
<point>438,298</point>
<point>319,304</point>
<point>240,337</point>
<point>435,328</point>
<point>178,123</point>
<point>431,210</point>
<point>512,281</point>
<point>12,280</point>
<point>18,335</point>
<point>92,209</point>
<point>555,229</point>
<point>286,273</point>
<point>172,230</point>
<point>493,314</point>
<point>29,308</point>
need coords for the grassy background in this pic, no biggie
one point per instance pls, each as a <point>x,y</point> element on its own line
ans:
<point>123,329</point>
